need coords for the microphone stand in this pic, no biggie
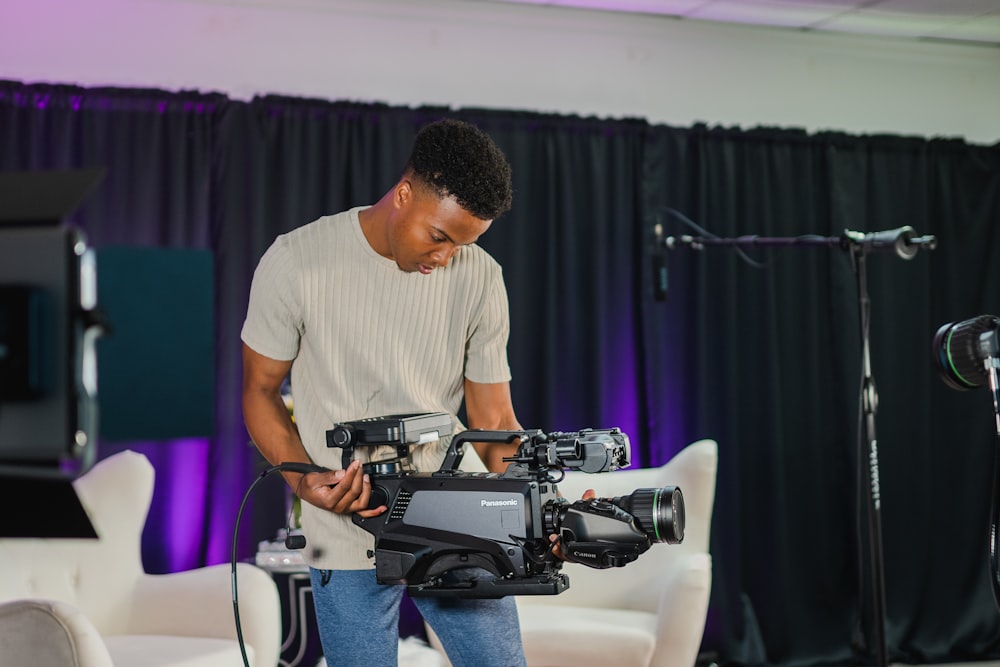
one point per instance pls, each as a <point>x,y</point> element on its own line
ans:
<point>869,406</point>
<point>904,244</point>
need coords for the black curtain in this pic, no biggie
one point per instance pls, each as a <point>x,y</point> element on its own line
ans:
<point>568,249</point>
<point>768,346</point>
<point>280,163</point>
<point>761,352</point>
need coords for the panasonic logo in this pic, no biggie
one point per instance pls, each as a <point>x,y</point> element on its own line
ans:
<point>498,503</point>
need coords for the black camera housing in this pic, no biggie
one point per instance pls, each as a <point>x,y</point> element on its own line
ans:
<point>450,520</point>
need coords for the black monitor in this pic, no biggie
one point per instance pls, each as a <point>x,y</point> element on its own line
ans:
<point>48,364</point>
<point>112,344</point>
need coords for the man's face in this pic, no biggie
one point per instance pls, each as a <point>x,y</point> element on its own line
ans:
<point>427,231</point>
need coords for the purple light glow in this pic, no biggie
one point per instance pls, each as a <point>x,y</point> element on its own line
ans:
<point>619,399</point>
<point>220,527</point>
<point>622,396</point>
<point>59,96</point>
<point>667,424</point>
<point>184,502</point>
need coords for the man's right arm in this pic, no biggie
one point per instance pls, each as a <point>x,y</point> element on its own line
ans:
<point>276,437</point>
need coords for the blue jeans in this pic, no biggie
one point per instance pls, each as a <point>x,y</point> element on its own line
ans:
<point>358,620</point>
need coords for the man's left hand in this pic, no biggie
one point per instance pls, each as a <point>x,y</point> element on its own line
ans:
<point>554,538</point>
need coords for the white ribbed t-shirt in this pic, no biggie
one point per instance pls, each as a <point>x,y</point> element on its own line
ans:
<point>368,339</point>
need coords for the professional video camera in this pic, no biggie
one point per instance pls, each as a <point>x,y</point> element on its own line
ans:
<point>442,521</point>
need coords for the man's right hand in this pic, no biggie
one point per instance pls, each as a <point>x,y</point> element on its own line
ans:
<point>339,491</point>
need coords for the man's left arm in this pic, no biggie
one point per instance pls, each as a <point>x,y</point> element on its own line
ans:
<point>488,406</point>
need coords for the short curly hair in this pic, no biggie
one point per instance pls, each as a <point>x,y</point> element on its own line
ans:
<point>457,159</point>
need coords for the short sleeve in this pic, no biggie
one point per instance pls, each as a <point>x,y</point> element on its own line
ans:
<point>486,350</point>
<point>274,321</point>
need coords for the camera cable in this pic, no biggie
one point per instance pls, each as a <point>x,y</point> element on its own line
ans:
<point>302,468</point>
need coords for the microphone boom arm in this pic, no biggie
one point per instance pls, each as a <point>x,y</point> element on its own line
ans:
<point>901,241</point>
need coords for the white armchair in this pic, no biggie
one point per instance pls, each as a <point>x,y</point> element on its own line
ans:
<point>89,603</point>
<point>650,613</point>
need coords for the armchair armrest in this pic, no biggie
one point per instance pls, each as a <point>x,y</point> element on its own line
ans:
<point>199,603</point>
<point>49,632</point>
<point>680,620</point>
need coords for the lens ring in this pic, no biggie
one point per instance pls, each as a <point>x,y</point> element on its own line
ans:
<point>660,520</point>
<point>656,514</point>
<point>956,353</point>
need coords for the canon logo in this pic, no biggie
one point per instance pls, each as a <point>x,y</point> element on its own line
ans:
<point>584,554</point>
<point>498,503</point>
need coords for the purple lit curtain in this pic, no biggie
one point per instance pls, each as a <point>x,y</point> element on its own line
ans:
<point>761,353</point>
<point>156,148</point>
<point>202,171</point>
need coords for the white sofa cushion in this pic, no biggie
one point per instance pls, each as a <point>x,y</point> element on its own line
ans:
<point>169,651</point>
<point>563,636</point>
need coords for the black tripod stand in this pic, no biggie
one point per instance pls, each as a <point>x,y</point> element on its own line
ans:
<point>905,244</point>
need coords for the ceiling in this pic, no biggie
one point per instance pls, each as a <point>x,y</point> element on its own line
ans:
<point>967,21</point>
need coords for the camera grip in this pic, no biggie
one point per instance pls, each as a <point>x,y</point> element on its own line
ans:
<point>456,448</point>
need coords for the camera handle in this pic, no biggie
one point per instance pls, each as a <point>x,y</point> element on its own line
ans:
<point>401,430</point>
<point>456,449</point>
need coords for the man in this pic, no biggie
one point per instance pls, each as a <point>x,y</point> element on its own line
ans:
<point>382,310</point>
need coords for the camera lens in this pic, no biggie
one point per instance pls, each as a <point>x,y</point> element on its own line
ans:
<point>958,355</point>
<point>658,512</point>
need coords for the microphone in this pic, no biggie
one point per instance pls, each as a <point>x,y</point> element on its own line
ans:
<point>658,263</point>
<point>902,241</point>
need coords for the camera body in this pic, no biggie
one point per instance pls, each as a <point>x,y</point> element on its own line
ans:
<point>441,523</point>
